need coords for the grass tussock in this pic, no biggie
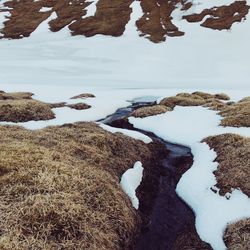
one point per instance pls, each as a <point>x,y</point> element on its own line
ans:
<point>59,188</point>
<point>83,96</point>
<point>24,110</point>
<point>79,106</point>
<point>237,114</point>
<point>15,95</point>
<point>237,235</point>
<point>149,111</point>
<point>194,99</point>
<point>234,163</point>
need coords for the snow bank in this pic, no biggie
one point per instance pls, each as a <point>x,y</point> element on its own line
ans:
<point>130,181</point>
<point>134,134</point>
<point>188,126</point>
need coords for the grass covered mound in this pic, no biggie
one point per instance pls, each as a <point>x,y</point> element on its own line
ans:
<point>59,188</point>
<point>20,107</point>
<point>233,172</point>
<point>237,114</point>
<point>237,235</point>
<point>151,110</point>
<point>234,163</point>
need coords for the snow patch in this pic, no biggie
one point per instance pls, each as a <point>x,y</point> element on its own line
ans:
<point>133,134</point>
<point>130,181</point>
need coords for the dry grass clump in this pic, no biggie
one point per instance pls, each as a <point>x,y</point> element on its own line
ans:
<point>237,115</point>
<point>195,99</point>
<point>24,110</point>
<point>234,163</point>
<point>79,106</point>
<point>149,111</point>
<point>83,96</point>
<point>237,235</point>
<point>15,95</point>
<point>53,200</point>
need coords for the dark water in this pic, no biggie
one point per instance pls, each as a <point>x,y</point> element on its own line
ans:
<point>168,213</point>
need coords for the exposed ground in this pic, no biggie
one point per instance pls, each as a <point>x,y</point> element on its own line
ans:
<point>111,17</point>
<point>222,17</point>
<point>53,200</point>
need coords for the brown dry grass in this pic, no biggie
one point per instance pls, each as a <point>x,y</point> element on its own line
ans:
<point>237,114</point>
<point>149,111</point>
<point>111,17</point>
<point>156,22</point>
<point>15,95</point>
<point>20,107</point>
<point>237,235</point>
<point>195,99</point>
<point>79,106</point>
<point>222,17</point>
<point>50,199</point>
<point>234,163</point>
<point>83,96</point>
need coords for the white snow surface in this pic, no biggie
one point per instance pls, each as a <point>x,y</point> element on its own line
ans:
<point>188,126</point>
<point>130,181</point>
<point>133,134</point>
<point>202,58</point>
<point>91,9</point>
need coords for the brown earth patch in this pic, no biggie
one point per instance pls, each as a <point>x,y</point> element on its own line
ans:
<point>53,200</point>
<point>79,106</point>
<point>222,17</point>
<point>237,235</point>
<point>110,18</point>
<point>156,22</point>
<point>234,163</point>
<point>25,15</point>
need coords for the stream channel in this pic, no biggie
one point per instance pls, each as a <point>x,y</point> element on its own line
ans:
<point>169,215</point>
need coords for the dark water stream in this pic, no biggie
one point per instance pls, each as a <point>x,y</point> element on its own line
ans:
<point>168,214</point>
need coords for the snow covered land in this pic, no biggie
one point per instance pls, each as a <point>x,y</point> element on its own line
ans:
<point>56,66</point>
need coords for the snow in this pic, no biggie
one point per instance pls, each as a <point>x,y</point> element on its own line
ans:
<point>202,58</point>
<point>134,134</point>
<point>45,9</point>
<point>188,126</point>
<point>130,181</point>
<point>91,9</point>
